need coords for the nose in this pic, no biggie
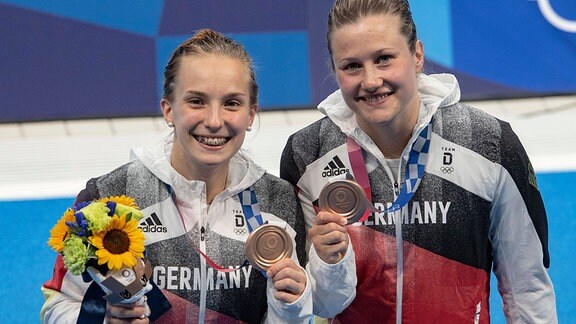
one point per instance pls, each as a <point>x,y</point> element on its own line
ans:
<point>371,79</point>
<point>214,118</point>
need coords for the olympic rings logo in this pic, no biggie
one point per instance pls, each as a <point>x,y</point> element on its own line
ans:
<point>240,231</point>
<point>446,169</point>
<point>554,18</point>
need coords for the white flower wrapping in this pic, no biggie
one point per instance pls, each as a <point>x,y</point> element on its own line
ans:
<point>125,286</point>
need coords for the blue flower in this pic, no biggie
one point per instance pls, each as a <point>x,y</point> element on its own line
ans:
<point>80,227</point>
<point>112,206</point>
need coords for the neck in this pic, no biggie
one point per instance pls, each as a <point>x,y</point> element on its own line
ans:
<point>391,138</point>
<point>392,144</point>
<point>214,177</point>
<point>215,184</point>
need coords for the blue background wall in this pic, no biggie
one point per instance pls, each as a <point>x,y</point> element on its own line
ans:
<point>71,59</point>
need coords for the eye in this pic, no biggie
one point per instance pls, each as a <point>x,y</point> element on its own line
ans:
<point>233,104</point>
<point>351,67</point>
<point>384,59</point>
<point>195,101</point>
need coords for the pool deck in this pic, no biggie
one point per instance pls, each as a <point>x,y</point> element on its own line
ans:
<point>55,158</point>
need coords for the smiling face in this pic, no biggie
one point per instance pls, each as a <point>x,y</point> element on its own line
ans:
<point>376,72</point>
<point>211,110</point>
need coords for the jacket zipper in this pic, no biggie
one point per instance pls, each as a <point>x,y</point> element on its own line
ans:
<point>203,279</point>
<point>399,252</point>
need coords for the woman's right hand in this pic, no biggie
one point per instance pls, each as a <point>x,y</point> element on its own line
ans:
<point>136,313</point>
<point>329,236</point>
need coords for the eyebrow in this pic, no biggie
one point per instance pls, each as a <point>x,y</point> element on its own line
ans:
<point>203,94</point>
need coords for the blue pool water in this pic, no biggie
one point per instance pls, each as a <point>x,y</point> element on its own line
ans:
<point>27,260</point>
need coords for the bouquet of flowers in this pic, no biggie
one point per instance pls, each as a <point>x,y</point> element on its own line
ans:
<point>102,237</point>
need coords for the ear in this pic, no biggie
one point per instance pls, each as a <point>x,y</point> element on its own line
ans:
<point>419,56</point>
<point>166,110</point>
<point>252,113</point>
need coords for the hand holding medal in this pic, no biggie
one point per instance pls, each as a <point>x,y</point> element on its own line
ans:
<point>266,245</point>
<point>345,197</point>
<point>341,202</point>
<point>269,248</point>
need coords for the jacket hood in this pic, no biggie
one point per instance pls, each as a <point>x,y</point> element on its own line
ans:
<point>243,172</point>
<point>436,91</point>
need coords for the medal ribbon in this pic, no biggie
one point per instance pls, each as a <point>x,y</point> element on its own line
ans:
<point>251,209</point>
<point>414,169</point>
<point>357,163</point>
<point>252,215</point>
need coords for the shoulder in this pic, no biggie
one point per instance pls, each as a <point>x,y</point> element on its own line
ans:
<point>308,145</point>
<point>469,115</point>
<point>272,186</point>
<point>113,183</point>
<point>120,176</point>
<point>275,195</point>
<point>311,142</point>
<point>314,131</point>
<point>474,129</point>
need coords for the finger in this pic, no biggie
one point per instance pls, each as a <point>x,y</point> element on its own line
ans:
<point>291,284</point>
<point>298,275</point>
<point>127,311</point>
<point>325,217</point>
<point>325,229</point>
<point>286,297</point>
<point>334,249</point>
<point>323,237</point>
<point>277,267</point>
<point>289,288</point>
<point>113,320</point>
<point>330,253</point>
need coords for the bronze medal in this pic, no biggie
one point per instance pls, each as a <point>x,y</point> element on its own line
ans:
<point>344,197</point>
<point>266,245</point>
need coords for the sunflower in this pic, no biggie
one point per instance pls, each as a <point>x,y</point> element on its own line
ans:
<point>122,200</point>
<point>121,205</point>
<point>60,231</point>
<point>120,244</point>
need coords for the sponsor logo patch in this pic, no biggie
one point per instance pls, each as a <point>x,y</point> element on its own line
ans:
<point>334,168</point>
<point>152,224</point>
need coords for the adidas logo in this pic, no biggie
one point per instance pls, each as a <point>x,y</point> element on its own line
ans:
<point>335,167</point>
<point>152,224</point>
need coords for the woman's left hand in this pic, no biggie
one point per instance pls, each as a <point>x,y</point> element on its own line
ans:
<point>289,280</point>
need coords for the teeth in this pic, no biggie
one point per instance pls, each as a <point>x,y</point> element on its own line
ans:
<point>375,98</point>
<point>212,141</point>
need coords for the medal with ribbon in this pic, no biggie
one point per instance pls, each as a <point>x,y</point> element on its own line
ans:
<point>414,169</point>
<point>266,243</point>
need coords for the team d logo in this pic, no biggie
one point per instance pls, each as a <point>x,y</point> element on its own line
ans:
<point>447,158</point>
<point>446,167</point>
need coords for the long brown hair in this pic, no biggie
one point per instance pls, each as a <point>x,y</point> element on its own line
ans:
<point>208,41</point>
<point>345,12</point>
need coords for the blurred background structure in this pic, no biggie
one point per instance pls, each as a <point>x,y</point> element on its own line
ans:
<point>80,84</point>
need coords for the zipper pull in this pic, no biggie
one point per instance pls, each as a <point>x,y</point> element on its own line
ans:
<point>396,189</point>
<point>202,232</point>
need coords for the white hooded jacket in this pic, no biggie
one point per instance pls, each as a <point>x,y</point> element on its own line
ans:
<point>178,221</point>
<point>477,208</point>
